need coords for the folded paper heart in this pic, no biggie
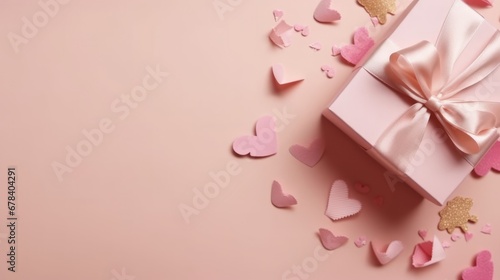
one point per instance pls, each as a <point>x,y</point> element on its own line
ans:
<point>324,13</point>
<point>483,269</point>
<point>427,253</point>
<point>393,250</point>
<point>278,14</point>
<point>281,77</point>
<point>422,233</point>
<point>263,144</point>
<point>279,198</point>
<point>330,241</point>
<point>360,241</point>
<point>309,156</point>
<point>280,34</point>
<point>486,229</point>
<point>339,204</point>
<point>362,44</point>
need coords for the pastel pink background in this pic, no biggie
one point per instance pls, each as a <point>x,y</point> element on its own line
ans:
<point>119,208</point>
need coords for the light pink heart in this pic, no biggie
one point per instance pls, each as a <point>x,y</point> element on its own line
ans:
<point>263,144</point>
<point>278,14</point>
<point>316,46</point>
<point>489,161</point>
<point>279,198</point>
<point>486,229</point>
<point>280,34</point>
<point>339,204</point>
<point>324,12</point>
<point>455,237</point>
<point>483,270</point>
<point>422,233</point>
<point>311,155</point>
<point>393,250</point>
<point>362,188</point>
<point>329,71</point>
<point>446,244</point>
<point>362,44</point>
<point>360,242</point>
<point>281,77</point>
<point>330,241</point>
<point>427,253</point>
<point>305,31</point>
<point>335,50</point>
<point>468,236</point>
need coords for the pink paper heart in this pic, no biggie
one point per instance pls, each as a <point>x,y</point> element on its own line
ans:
<point>339,204</point>
<point>455,237</point>
<point>279,198</point>
<point>336,50</point>
<point>263,144</point>
<point>489,161</point>
<point>362,44</point>
<point>486,229</point>
<point>360,242</point>
<point>393,250</point>
<point>427,253</point>
<point>315,46</point>
<point>309,156</point>
<point>324,13</point>
<point>280,34</point>
<point>329,71</point>
<point>280,76</point>
<point>446,244</point>
<point>305,31</point>
<point>422,233</point>
<point>468,236</point>
<point>278,14</point>
<point>330,241</point>
<point>483,269</point>
<point>362,188</point>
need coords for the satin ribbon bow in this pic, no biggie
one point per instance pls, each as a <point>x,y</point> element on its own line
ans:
<point>424,73</point>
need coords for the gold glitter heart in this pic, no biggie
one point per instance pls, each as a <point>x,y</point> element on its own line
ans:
<point>456,214</point>
<point>379,8</point>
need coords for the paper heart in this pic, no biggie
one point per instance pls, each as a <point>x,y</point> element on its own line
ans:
<point>491,160</point>
<point>468,236</point>
<point>336,50</point>
<point>360,242</point>
<point>304,30</point>
<point>422,233</point>
<point>280,34</point>
<point>330,241</point>
<point>393,250</point>
<point>486,229</point>
<point>362,44</point>
<point>263,144</point>
<point>329,71</point>
<point>309,156</point>
<point>428,252</point>
<point>362,188</point>
<point>455,237</point>
<point>324,13</point>
<point>445,244</point>
<point>339,204</point>
<point>280,76</point>
<point>278,14</point>
<point>315,46</point>
<point>279,198</point>
<point>483,269</point>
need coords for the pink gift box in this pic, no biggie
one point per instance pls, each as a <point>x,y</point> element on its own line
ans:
<point>366,107</point>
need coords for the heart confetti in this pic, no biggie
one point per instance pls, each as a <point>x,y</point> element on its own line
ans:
<point>309,156</point>
<point>489,161</point>
<point>422,233</point>
<point>454,237</point>
<point>486,229</point>
<point>280,199</point>
<point>280,34</point>
<point>393,250</point>
<point>263,144</point>
<point>325,14</point>
<point>280,76</point>
<point>483,269</point>
<point>427,253</point>
<point>446,244</point>
<point>278,14</point>
<point>360,241</point>
<point>468,236</point>
<point>379,8</point>
<point>456,214</point>
<point>304,30</point>
<point>362,44</point>
<point>330,72</point>
<point>335,50</point>
<point>330,241</point>
<point>339,204</point>
<point>315,46</point>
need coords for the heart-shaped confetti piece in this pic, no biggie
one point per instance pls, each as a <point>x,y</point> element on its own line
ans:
<point>339,204</point>
<point>281,77</point>
<point>324,12</point>
<point>360,241</point>
<point>393,250</point>
<point>263,144</point>
<point>279,198</point>
<point>486,229</point>
<point>330,241</point>
<point>362,44</point>
<point>422,233</point>
<point>483,270</point>
<point>309,156</point>
<point>278,14</point>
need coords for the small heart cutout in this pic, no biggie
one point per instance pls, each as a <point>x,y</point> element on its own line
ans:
<point>360,242</point>
<point>422,233</point>
<point>455,237</point>
<point>325,14</point>
<point>309,156</point>
<point>393,250</point>
<point>315,46</point>
<point>279,198</point>
<point>486,229</point>
<point>330,241</point>
<point>468,236</point>
<point>339,204</point>
<point>281,77</point>
<point>263,144</point>
<point>278,14</point>
<point>483,269</point>
<point>362,44</point>
<point>329,71</point>
<point>362,188</point>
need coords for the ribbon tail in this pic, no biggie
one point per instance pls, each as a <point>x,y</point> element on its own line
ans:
<point>399,143</point>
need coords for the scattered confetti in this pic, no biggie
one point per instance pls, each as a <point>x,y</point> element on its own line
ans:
<point>279,198</point>
<point>309,156</point>
<point>393,250</point>
<point>483,269</point>
<point>280,34</point>
<point>446,244</point>
<point>454,237</point>
<point>378,200</point>
<point>490,161</point>
<point>362,44</point>
<point>379,8</point>
<point>263,145</point>
<point>335,50</point>
<point>330,72</point>
<point>330,241</point>
<point>427,253</point>
<point>422,233</point>
<point>362,188</point>
<point>468,236</point>
<point>315,46</point>
<point>278,14</point>
<point>339,204</point>
<point>304,30</point>
<point>325,14</point>
<point>456,214</point>
<point>360,242</point>
<point>486,229</point>
<point>283,79</point>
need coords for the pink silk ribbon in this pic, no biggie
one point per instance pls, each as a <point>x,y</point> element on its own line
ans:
<point>423,72</point>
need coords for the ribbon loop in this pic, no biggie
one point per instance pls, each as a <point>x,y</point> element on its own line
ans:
<point>433,104</point>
